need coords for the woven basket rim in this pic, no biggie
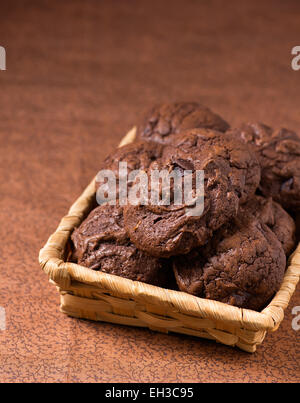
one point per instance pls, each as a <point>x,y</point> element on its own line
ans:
<point>63,273</point>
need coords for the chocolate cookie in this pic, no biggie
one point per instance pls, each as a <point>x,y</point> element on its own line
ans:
<point>101,243</point>
<point>276,218</point>
<point>163,121</point>
<point>279,155</point>
<point>231,175</point>
<point>138,156</point>
<point>245,266</point>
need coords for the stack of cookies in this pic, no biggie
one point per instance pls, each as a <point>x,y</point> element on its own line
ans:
<point>235,250</point>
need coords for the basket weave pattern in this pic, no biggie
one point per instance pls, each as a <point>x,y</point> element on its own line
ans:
<point>103,297</point>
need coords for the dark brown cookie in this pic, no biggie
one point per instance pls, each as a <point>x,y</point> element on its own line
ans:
<point>101,243</point>
<point>211,147</point>
<point>231,175</point>
<point>276,218</point>
<point>138,155</point>
<point>244,266</point>
<point>165,120</point>
<point>279,155</point>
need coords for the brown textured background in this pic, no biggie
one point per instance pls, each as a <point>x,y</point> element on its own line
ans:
<point>78,74</point>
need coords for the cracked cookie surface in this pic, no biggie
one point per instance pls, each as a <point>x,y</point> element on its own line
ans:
<point>101,243</point>
<point>276,218</point>
<point>231,175</point>
<point>137,155</point>
<point>279,155</point>
<point>242,266</point>
<point>163,121</point>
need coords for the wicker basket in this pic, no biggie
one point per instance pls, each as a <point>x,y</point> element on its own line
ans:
<point>103,297</point>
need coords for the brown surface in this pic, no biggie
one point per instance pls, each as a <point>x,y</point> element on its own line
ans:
<point>78,73</point>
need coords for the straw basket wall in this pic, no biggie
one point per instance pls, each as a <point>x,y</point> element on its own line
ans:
<point>99,296</point>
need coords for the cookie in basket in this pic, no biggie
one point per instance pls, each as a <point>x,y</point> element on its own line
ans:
<point>276,218</point>
<point>164,120</point>
<point>101,243</point>
<point>231,175</point>
<point>137,156</point>
<point>242,266</point>
<point>279,154</point>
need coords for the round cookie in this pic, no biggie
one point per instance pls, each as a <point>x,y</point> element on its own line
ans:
<point>138,155</point>
<point>231,175</point>
<point>164,120</point>
<point>211,147</point>
<point>244,266</point>
<point>101,243</point>
<point>276,218</point>
<point>279,155</point>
